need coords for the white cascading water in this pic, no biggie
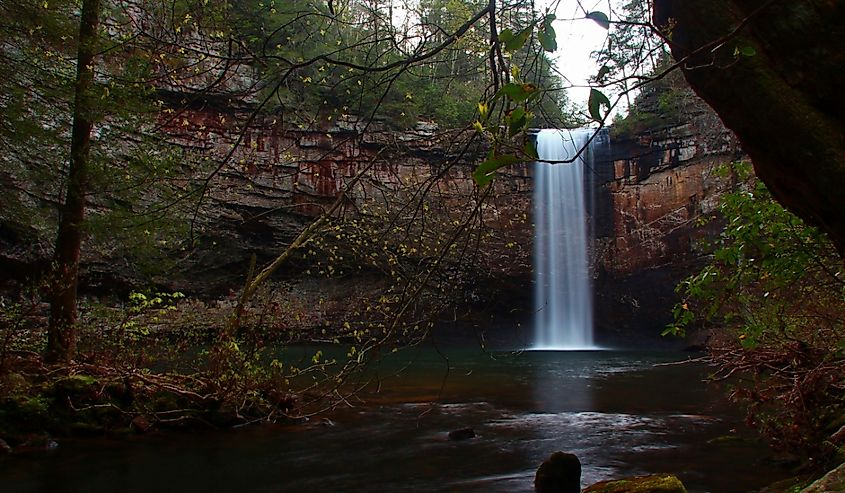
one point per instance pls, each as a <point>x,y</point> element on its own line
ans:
<point>563,295</point>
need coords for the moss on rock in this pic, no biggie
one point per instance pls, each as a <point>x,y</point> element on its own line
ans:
<point>656,483</point>
<point>72,387</point>
<point>832,482</point>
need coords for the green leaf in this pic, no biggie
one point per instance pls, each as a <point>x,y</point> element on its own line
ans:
<point>600,18</point>
<point>517,120</point>
<point>595,102</point>
<point>513,42</point>
<point>547,35</point>
<point>673,330</point>
<point>548,39</point>
<point>485,171</point>
<point>748,51</point>
<point>603,71</point>
<point>506,36</point>
<point>530,149</point>
<point>517,92</point>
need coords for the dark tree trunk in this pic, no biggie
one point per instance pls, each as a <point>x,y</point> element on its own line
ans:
<point>774,71</point>
<point>61,341</point>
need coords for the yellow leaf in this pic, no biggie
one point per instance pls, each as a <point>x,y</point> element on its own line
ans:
<point>483,109</point>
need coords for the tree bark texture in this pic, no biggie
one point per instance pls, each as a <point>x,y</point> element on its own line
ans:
<point>61,341</point>
<point>774,71</point>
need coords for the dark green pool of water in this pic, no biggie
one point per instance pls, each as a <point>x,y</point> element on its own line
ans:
<point>617,411</point>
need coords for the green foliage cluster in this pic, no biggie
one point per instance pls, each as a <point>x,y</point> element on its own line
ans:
<point>428,253</point>
<point>775,291</point>
<point>18,317</point>
<point>352,59</point>
<point>135,183</point>
<point>631,46</point>
<point>660,103</point>
<point>153,359</point>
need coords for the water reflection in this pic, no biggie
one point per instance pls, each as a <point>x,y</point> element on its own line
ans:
<point>615,411</point>
<point>559,383</point>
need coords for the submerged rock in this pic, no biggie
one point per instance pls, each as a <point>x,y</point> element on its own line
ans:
<point>656,483</point>
<point>462,434</point>
<point>37,443</point>
<point>560,473</point>
<point>141,423</point>
<point>4,447</point>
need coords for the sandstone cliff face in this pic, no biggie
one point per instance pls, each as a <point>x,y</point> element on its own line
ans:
<point>652,187</point>
<point>648,190</point>
<point>280,179</point>
<point>657,195</point>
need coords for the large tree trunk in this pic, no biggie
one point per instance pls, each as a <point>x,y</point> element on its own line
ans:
<point>774,71</point>
<point>61,342</point>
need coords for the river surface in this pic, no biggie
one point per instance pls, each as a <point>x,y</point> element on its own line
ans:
<point>617,411</point>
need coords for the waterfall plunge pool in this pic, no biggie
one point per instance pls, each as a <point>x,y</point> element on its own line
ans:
<point>617,411</point>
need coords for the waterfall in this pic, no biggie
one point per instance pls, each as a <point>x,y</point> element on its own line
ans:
<point>563,299</point>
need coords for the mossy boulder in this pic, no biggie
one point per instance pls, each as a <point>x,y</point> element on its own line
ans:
<point>832,482</point>
<point>560,473</point>
<point>24,413</point>
<point>75,388</point>
<point>13,383</point>
<point>656,483</point>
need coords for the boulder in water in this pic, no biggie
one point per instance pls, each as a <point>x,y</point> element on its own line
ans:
<point>462,434</point>
<point>560,473</point>
<point>656,483</point>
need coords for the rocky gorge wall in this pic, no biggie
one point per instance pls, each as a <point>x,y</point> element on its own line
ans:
<point>647,188</point>
<point>280,179</point>
<point>653,184</point>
